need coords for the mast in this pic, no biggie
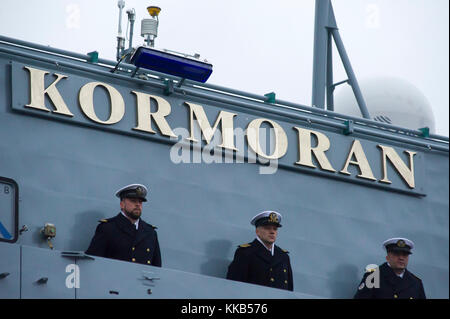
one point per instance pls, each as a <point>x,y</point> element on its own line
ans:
<point>325,29</point>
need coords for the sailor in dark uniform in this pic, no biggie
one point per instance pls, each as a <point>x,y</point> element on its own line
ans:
<point>126,236</point>
<point>392,280</point>
<point>262,262</point>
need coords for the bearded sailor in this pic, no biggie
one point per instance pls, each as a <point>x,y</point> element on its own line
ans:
<point>126,236</point>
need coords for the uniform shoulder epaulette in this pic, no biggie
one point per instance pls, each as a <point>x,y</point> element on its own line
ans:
<point>103,221</point>
<point>278,248</point>
<point>415,276</point>
<point>245,245</point>
<point>148,224</point>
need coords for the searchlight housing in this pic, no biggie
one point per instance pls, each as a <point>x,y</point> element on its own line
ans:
<point>164,61</point>
<point>171,63</point>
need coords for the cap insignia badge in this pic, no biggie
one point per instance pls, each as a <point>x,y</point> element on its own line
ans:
<point>273,218</point>
<point>401,243</point>
<point>139,191</point>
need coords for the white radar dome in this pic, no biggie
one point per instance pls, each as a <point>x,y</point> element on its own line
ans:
<point>390,100</point>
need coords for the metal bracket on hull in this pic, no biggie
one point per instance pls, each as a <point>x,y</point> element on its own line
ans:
<point>168,90</point>
<point>425,131</point>
<point>93,57</point>
<point>270,97</point>
<point>4,275</point>
<point>76,254</point>
<point>149,276</point>
<point>349,127</point>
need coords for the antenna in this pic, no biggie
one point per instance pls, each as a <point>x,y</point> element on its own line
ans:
<point>149,27</point>
<point>120,38</point>
<point>131,18</point>
<point>121,52</point>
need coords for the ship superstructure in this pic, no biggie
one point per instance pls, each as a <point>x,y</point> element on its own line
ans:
<point>77,127</point>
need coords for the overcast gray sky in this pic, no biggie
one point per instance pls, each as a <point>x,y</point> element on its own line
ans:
<point>261,46</point>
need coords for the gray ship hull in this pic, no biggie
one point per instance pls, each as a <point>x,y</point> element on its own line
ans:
<point>68,167</point>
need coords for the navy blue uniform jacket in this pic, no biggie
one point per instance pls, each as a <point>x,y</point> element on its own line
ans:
<point>254,264</point>
<point>118,238</point>
<point>392,286</point>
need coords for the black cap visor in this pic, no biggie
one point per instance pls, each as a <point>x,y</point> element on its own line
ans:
<point>405,250</point>
<point>265,221</point>
<point>131,194</point>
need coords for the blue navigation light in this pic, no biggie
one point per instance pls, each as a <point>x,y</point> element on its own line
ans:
<point>172,64</point>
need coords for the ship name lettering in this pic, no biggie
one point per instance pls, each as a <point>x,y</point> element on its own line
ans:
<point>226,118</point>
<point>310,156</point>
<point>38,91</point>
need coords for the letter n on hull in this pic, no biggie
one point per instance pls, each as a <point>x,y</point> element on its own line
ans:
<point>407,173</point>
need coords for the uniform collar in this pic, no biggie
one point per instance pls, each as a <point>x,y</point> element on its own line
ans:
<point>398,275</point>
<point>136,224</point>
<point>273,245</point>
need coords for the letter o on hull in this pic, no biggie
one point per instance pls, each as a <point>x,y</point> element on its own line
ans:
<point>281,141</point>
<point>86,98</point>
